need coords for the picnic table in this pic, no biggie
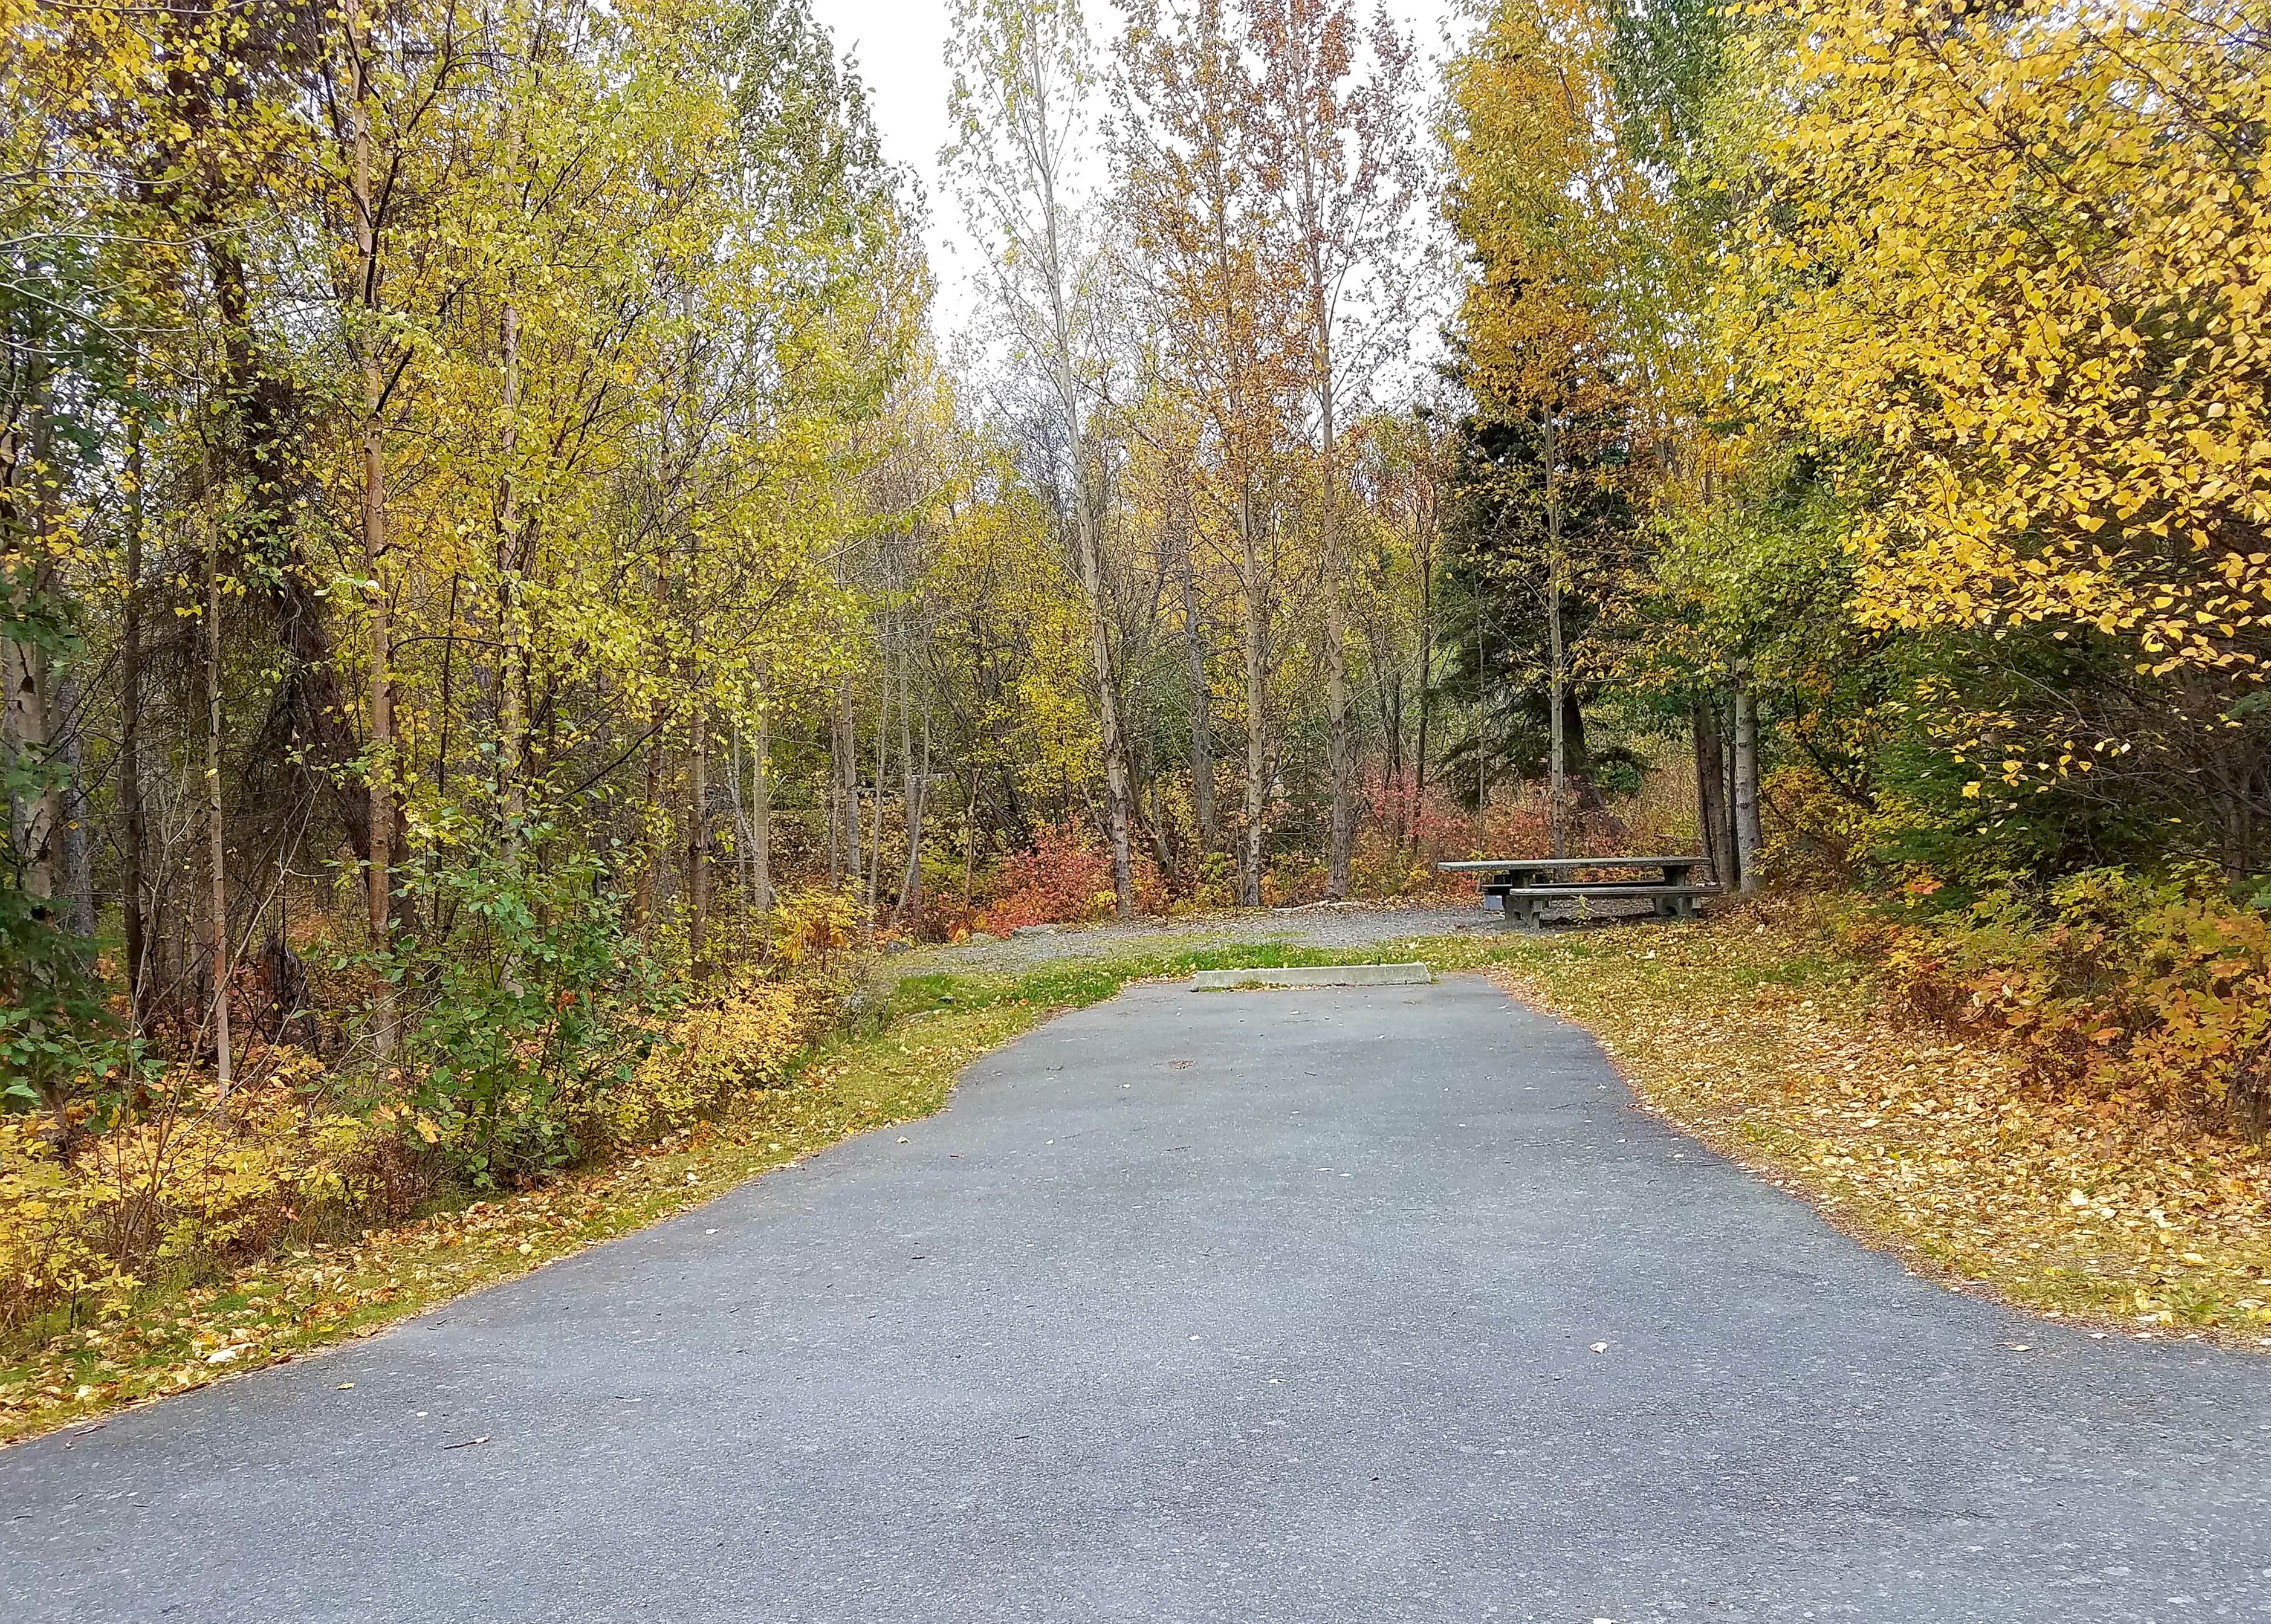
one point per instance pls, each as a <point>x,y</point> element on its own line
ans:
<point>1525,886</point>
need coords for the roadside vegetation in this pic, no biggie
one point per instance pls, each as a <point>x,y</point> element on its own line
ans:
<point>1772,1033</point>
<point>508,605</point>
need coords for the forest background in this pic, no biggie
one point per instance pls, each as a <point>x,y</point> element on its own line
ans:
<point>504,597</point>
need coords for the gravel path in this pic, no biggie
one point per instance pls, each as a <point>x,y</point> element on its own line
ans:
<point>1354,926</point>
<point>1258,1307</point>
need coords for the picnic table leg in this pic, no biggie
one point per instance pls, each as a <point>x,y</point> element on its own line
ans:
<point>1527,913</point>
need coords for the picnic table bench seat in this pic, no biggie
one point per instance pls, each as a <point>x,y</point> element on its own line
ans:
<point>1525,886</point>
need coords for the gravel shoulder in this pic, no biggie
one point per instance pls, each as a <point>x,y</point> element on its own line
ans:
<point>1331,927</point>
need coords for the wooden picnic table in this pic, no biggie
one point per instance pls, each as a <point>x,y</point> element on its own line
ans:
<point>1525,885</point>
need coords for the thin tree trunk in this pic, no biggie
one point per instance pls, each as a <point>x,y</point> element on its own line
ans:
<point>875,843</point>
<point>1723,714</point>
<point>918,797</point>
<point>380,749</point>
<point>1257,754</point>
<point>1557,770</point>
<point>10,678</point>
<point>643,893</point>
<point>133,835</point>
<point>848,760</point>
<point>697,844</point>
<point>833,795</point>
<point>740,812</point>
<point>512,675</point>
<point>970,844</point>
<point>36,818</point>
<point>512,666</point>
<point>216,857</point>
<point>1117,790</point>
<point>512,717</point>
<point>1202,706</point>
<point>1426,661</point>
<point>1710,793</point>
<point>1749,841</point>
<point>1340,744</point>
<point>77,869</point>
<point>761,813</point>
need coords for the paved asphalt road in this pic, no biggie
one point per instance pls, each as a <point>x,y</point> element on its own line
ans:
<point>1247,1306</point>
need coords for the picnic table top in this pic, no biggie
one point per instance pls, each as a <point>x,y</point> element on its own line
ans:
<point>1687,861</point>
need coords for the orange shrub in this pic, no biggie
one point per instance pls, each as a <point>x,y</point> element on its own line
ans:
<point>1065,877</point>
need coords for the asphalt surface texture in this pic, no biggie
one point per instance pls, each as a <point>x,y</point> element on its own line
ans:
<point>1357,1305</point>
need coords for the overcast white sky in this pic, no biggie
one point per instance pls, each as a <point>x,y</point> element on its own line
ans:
<point>900,47</point>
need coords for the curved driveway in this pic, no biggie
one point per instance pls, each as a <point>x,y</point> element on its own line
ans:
<point>1242,1307</point>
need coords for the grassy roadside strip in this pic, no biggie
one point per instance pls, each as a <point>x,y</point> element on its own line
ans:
<point>901,1065</point>
<point>1751,1034</point>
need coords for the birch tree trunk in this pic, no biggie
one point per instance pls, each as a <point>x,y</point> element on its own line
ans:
<point>1749,840</point>
<point>1200,705</point>
<point>876,841</point>
<point>849,761</point>
<point>740,813</point>
<point>761,816</point>
<point>28,725</point>
<point>78,878</point>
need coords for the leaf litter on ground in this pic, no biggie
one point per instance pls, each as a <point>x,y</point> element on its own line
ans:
<point>1751,1033</point>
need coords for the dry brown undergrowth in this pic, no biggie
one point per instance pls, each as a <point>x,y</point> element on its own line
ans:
<point>1751,1034</point>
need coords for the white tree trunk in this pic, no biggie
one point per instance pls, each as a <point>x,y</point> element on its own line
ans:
<point>1750,842</point>
<point>761,816</point>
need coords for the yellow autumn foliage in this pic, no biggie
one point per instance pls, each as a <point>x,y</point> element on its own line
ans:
<point>743,1040</point>
<point>2106,983</point>
<point>187,1186</point>
<point>165,1190</point>
<point>2022,250</point>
